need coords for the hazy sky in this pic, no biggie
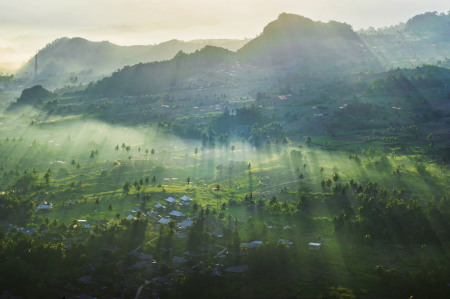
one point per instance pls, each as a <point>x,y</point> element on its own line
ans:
<point>28,25</point>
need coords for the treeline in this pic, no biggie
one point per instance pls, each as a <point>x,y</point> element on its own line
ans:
<point>385,215</point>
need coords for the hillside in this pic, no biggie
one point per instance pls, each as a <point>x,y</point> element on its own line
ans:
<point>77,60</point>
<point>424,39</point>
<point>183,71</point>
<point>289,44</point>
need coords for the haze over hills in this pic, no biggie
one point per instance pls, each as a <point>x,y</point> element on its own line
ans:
<point>303,164</point>
<point>183,71</point>
<point>77,60</point>
<point>422,39</point>
<point>293,39</point>
<point>293,56</point>
<point>289,41</point>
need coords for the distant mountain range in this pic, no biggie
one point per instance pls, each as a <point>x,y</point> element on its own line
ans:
<point>291,43</point>
<point>76,60</point>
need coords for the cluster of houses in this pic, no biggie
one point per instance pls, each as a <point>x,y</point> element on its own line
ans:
<point>179,217</point>
<point>174,214</point>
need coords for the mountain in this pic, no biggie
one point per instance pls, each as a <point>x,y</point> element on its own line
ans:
<point>293,39</point>
<point>291,43</point>
<point>423,39</point>
<point>77,60</point>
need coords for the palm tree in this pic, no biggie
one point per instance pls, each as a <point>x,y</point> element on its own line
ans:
<point>126,187</point>
<point>335,177</point>
<point>47,176</point>
<point>217,189</point>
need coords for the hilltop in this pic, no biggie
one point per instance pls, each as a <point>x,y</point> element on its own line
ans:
<point>294,39</point>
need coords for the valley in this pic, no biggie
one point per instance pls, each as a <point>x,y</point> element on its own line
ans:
<point>298,165</point>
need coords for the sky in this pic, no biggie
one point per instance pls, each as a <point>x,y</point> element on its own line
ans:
<point>28,25</point>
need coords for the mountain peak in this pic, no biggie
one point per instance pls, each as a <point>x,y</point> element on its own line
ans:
<point>292,39</point>
<point>288,17</point>
<point>287,22</point>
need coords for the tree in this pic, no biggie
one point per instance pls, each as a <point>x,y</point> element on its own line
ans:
<point>308,140</point>
<point>217,189</point>
<point>126,187</point>
<point>335,177</point>
<point>47,176</point>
